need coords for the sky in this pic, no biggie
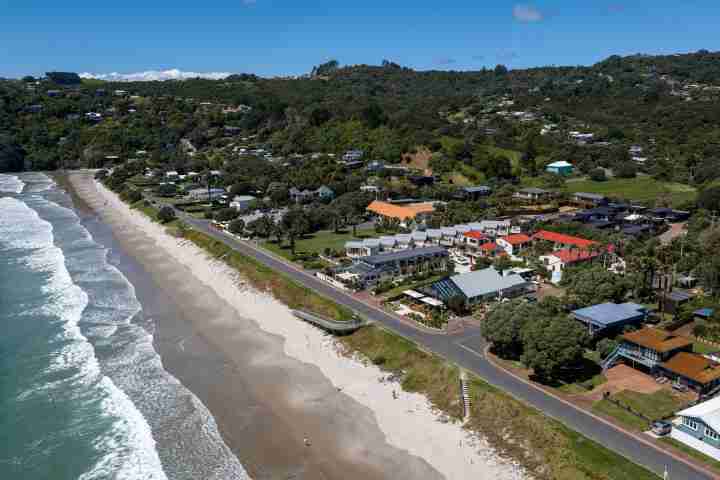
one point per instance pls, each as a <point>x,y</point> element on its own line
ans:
<point>288,37</point>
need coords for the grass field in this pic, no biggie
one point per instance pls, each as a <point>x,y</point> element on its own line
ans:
<point>655,406</point>
<point>641,189</point>
<point>692,452</point>
<point>318,242</point>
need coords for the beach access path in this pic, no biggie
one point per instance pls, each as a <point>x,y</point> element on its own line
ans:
<point>466,349</point>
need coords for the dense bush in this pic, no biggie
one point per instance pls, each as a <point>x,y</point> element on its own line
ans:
<point>166,214</point>
<point>598,175</point>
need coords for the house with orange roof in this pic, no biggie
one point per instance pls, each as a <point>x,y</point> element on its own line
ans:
<point>403,213</point>
<point>515,243</point>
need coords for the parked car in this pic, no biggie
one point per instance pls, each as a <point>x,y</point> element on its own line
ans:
<point>679,387</point>
<point>661,427</point>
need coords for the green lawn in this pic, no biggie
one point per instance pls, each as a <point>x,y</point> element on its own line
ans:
<point>691,452</point>
<point>318,242</point>
<point>702,348</point>
<point>641,189</point>
<point>655,406</point>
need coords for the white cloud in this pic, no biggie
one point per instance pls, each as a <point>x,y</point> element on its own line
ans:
<point>149,75</point>
<point>527,14</point>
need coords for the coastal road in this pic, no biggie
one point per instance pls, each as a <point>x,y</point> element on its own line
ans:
<point>466,350</point>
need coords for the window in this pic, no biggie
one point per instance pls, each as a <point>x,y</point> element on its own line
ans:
<point>710,433</point>
<point>690,423</point>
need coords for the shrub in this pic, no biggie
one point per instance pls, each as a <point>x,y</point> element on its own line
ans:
<point>700,330</point>
<point>166,214</point>
<point>597,175</point>
<point>226,214</point>
<point>626,170</point>
<point>237,227</point>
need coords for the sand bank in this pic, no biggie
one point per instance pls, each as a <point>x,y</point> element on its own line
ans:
<point>346,407</point>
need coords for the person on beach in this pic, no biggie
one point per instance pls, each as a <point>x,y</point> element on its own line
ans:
<point>306,441</point>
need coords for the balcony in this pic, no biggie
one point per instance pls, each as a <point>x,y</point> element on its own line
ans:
<point>637,356</point>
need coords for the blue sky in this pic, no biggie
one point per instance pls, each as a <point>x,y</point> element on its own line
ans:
<point>277,37</point>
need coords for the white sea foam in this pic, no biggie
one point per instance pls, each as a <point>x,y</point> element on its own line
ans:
<point>10,184</point>
<point>36,182</point>
<point>189,443</point>
<point>128,450</point>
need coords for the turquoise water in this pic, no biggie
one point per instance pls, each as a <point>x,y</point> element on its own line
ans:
<point>83,394</point>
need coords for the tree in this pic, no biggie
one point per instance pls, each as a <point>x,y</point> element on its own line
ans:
<point>552,345</point>
<point>457,305</point>
<point>501,70</point>
<point>606,346</point>
<point>12,156</point>
<point>503,328</point>
<point>295,224</point>
<point>589,286</point>
<point>626,170</point>
<point>166,214</point>
<point>598,175</point>
<point>226,214</point>
<point>237,227</point>
<point>709,198</point>
<point>167,190</point>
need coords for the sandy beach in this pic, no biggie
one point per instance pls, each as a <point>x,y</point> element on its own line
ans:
<point>271,381</point>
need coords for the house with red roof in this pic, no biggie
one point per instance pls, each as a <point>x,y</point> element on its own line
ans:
<point>562,241</point>
<point>559,259</point>
<point>515,243</point>
<point>474,239</point>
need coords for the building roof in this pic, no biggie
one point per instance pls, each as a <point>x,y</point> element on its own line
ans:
<point>516,239</point>
<point>479,189</point>
<point>609,314</point>
<point>476,235</point>
<point>404,255</point>
<point>589,196</point>
<point>708,412</point>
<point>388,240</point>
<point>484,282</point>
<point>656,339</point>
<point>489,247</point>
<point>567,255</point>
<point>533,190</point>
<point>562,238</point>
<point>418,235</point>
<point>693,366</point>
<point>560,164</point>
<point>704,312</point>
<point>680,295</point>
<point>352,244</point>
<point>400,212</point>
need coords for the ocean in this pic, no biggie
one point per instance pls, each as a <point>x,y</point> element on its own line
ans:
<point>83,393</point>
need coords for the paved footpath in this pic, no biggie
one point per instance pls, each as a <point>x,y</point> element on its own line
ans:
<point>467,350</point>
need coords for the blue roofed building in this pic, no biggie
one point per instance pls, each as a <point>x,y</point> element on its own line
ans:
<point>606,317</point>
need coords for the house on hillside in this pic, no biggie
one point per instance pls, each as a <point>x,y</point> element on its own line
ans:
<point>533,194</point>
<point>561,168</point>
<point>473,193</point>
<point>699,427</point>
<point>403,213</point>
<point>353,155</point>
<point>589,199</point>
<point>558,260</point>
<point>514,244</point>
<point>562,241</point>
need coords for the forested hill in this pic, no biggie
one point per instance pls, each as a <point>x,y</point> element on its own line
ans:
<point>668,104</point>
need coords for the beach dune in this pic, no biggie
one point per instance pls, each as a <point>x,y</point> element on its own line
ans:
<point>287,402</point>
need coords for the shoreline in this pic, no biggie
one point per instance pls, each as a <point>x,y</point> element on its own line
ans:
<point>388,437</point>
